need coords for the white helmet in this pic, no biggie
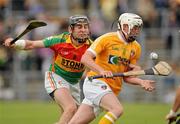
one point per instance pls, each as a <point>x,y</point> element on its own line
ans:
<point>130,19</point>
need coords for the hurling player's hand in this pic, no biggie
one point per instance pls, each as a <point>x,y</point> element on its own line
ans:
<point>148,85</point>
<point>7,42</point>
<point>106,74</point>
<point>171,116</point>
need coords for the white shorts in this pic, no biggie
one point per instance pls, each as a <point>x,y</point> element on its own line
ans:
<point>94,91</point>
<point>54,81</point>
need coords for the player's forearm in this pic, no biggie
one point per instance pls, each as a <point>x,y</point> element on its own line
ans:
<point>133,80</point>
<point>23,44</point>
<point>26,44</point>
<point>85,73</point>
<point>88,60</point>
<point>92,65</point>
<point>33,44</point>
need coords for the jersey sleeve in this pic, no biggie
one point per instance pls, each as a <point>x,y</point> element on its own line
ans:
<point>53,40</point>
<point>98,45</point>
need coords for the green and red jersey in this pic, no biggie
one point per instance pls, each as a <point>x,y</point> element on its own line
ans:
<point>67,57</point>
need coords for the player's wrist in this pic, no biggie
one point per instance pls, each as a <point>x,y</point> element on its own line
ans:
<point>141,82</point>
<point>172,113</point>
<point>20,44</point>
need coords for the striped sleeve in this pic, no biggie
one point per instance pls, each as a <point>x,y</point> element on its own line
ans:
<point>52,40</point>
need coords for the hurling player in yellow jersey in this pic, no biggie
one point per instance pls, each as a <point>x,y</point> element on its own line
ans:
<point>111,53</point>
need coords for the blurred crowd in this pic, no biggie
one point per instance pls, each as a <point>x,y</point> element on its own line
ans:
<point>15,14</point>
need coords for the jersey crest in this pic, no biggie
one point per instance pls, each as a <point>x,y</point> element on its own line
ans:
<point>117,60</point>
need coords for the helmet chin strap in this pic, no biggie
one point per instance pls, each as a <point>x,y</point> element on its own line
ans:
<point>130,38</point>
<point>79,40</point>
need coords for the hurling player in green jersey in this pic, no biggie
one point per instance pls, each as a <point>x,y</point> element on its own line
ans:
<point>65,71</point>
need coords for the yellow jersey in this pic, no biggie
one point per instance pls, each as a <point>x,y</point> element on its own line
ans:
<point>114,54</point>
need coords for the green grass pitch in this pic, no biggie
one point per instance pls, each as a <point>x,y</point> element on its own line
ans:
<point>34,112</point>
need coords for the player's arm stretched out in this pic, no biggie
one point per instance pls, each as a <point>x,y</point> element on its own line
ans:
<point>24,44</point>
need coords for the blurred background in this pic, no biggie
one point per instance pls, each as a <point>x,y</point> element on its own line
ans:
<point>22,72</point>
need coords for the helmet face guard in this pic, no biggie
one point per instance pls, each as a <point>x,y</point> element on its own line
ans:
<point>78,19</point>
<point>132,20</point>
